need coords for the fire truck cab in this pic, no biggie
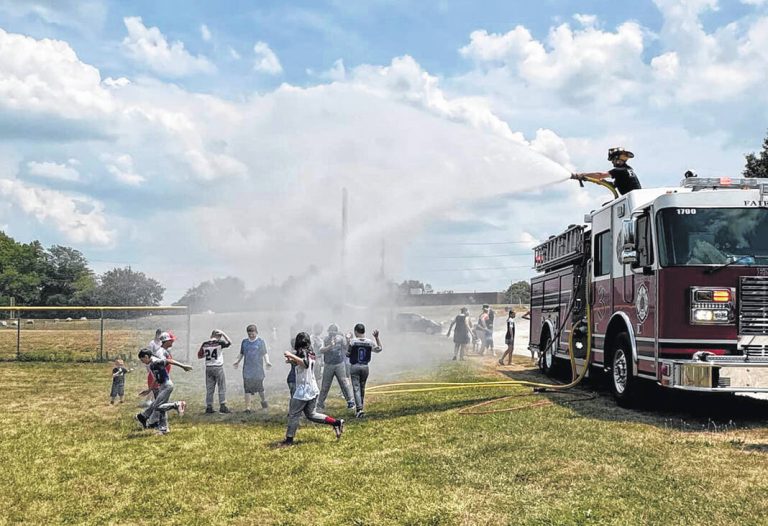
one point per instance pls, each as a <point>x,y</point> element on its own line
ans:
<point>668,285</point>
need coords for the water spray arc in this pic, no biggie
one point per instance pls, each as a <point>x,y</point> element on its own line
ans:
<point>421,387</point>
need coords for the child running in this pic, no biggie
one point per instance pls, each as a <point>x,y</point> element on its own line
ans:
<point>118,381</point>
<point>304,399</point>
<point>360,349</point>
<point>253,350</point>
<point>155,415</point>
<point>215,378</point>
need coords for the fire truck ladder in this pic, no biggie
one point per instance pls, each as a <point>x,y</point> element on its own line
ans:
<point>559,251</point>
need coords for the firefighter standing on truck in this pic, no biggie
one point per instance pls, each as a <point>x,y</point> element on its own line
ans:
<point>624,178</point>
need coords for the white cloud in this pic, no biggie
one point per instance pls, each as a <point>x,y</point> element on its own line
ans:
<point>582,65</point>
<point>46,76</point>
<point>51,170</point>
<point>149,46</point>
<point>84,15</point>
<point>586,20</point>
<point>205,33</point>
<point>233,54</point>
<point>120,82</point>
<point>121,168</point>
<point>266,60</point>
<point>80,219</point>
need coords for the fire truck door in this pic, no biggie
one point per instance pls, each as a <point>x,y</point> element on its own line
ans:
<point>602,285</point>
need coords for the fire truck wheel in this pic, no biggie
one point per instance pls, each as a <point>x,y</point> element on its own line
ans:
<point>548,361</point>
<point>623,383</point>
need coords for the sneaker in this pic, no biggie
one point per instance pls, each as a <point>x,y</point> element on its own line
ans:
<point>285,443</point>
<point>360,414</point>
<point>454,358</point>
<point>248,411</point>
<point>224,409</point>
<point>338,428</point>
<point>501,362</point>
<point>264,405</point>
<point>111,402</point>
<point>181,406</point>
<point>161,432</point>
<point>142,420</point>
<point>350,405</point>
<point>209,410</point>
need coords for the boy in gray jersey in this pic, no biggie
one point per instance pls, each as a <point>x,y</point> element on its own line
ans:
<point>215,378</point>
<point>360,349</point>
<point>334,352</point>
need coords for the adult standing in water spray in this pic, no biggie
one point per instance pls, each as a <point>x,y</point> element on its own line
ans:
<point>624,178</point>
<point>509,339</point>
<point>461,329</point>
<point>360,349</point>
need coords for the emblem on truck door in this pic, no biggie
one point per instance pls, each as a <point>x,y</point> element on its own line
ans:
<point>642,303</point>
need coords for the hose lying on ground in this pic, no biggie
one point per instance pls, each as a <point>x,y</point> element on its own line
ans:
<point>537,387</point>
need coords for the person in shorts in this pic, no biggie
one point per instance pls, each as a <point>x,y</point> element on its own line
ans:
<point>253,353</point>
<point>509,339</point>
<point>461,333</point>
<point>118,381</point>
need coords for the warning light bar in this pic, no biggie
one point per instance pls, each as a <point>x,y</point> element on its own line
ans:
<point>713,183</point>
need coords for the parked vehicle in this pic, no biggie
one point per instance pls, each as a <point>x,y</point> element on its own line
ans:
<point>667,285</point>
<point>412,322</point>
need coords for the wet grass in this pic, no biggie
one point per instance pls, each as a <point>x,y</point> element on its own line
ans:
<point>67,456</point>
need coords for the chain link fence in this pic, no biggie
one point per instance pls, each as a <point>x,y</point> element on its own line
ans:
<point>95,334</point>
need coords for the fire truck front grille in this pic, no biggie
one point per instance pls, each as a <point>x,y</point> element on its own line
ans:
<point>753,305</point>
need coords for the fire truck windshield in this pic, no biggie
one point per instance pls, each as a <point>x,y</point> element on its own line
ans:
<point>712,236</point>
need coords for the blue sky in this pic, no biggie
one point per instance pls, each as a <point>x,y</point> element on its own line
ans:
<point>191,140</point>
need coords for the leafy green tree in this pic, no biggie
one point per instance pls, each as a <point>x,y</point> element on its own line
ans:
<point>518,292</point>
<point>757,163</point>
<point>22,270</point>
<point>126,287</point>
<point>220,295</point>
<point>67,277</point>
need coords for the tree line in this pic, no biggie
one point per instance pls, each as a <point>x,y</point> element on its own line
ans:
<point>33,275</point>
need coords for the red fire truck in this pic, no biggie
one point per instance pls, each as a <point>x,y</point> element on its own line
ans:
<point>668,285</point>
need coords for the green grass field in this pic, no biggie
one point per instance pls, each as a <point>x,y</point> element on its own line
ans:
<point>68,457</point>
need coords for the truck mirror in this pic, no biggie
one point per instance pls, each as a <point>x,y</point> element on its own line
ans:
<point>628,229</point>
<point>629,256</point>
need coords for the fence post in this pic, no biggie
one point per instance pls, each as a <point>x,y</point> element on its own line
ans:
<point>18,337</point>
<point>189,333</point>
<point>101,336</point>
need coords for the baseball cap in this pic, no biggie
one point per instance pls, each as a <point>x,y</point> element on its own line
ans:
<point>167,336</point>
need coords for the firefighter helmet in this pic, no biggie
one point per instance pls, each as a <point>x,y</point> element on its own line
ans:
<point>615,153</point>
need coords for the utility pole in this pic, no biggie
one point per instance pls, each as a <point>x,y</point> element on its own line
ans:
<point>383,256</point>
<point>344,226</point>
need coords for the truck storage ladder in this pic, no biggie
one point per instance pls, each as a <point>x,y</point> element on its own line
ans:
<point>560,250</point>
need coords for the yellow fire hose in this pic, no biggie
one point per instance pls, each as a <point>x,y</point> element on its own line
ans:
<point>424,387</point>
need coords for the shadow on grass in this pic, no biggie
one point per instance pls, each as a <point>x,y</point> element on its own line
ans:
<point>661,407</point>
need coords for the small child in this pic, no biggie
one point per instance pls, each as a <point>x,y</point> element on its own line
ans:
<point>253,350</point>
<point>211,350</point>
<point>304,399</point>
<point>118,381</point>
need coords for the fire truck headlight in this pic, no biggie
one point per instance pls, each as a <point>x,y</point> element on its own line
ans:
<point>712,306</point>
<point>710,316</point>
